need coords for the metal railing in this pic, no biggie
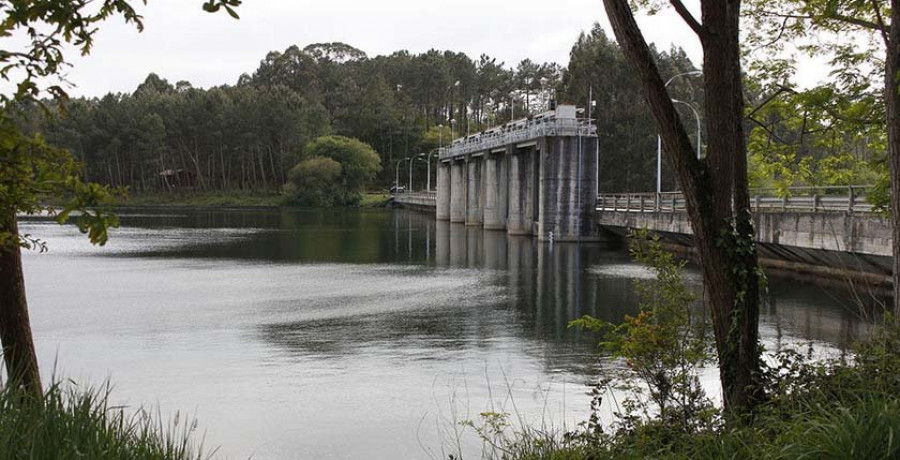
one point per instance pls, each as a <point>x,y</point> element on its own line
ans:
<point>529,130</point>
<point>850,198</point>
<point>417,198</point>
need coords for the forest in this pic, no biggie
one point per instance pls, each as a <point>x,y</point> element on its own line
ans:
<point>247,136</point>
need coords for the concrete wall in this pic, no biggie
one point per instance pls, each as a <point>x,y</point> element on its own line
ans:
<point>457,192</point>
<point>568,182</point>
<point>496,191</point>
<point>442,211</point>
<point>833,244</point>
<point>535,187</point>
<point>522,188</point>
<point>474,195</point>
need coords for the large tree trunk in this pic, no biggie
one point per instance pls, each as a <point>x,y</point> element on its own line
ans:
<point>15,328</point>
<point>715,190</point>
<point>892,105</point>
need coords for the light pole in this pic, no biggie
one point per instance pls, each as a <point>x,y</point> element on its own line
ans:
<point>428,180</point>
<point>440,147</point>
<point>452,124</point>
<point>397,175</point>
<point>659,138</point>
<point>697,116</point>
<point>411,159</point>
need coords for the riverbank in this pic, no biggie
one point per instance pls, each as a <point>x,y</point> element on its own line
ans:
<point>237,199</point>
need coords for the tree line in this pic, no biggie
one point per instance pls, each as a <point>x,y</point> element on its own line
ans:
<point>247,136</point>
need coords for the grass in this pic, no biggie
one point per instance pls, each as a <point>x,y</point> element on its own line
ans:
<point>74,423</point>
<point>235,198</point>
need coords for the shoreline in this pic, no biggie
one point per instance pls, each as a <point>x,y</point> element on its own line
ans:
<point>234,199</point>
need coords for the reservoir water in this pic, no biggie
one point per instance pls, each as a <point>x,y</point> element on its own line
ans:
<point>347,334</point>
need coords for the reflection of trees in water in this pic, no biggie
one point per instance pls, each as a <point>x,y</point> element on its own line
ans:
<point>547,286</point>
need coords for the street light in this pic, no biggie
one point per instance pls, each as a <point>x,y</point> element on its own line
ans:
<point>697,116</point>
<point>440,147</point>
<point>411,159</point>
<point>397,175</point>
<point>659,138</point>
<point>428,161</point>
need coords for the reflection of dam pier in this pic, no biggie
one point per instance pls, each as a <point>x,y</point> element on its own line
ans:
<point>551,285</point>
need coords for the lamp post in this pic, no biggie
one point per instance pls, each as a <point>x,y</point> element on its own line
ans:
<point>428,179</point>
<point>697,116</point>
<point>411,159</point>
<point>659,138</point>
<point>397,175</point>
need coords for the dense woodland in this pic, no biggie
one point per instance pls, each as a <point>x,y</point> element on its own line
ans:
<point>248,136</point>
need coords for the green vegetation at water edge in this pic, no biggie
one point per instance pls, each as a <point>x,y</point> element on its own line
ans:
<point>237,199</point>
<point>840,408</point>
<point>70,422</point>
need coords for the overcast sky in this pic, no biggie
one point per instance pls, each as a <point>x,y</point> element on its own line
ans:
<point>181,42</point>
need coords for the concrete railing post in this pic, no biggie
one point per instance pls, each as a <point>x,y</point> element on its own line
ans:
<point>851,200</point>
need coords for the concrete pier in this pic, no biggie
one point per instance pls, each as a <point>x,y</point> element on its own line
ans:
<point>474,197</point>
<point>496,190</point>
<point>442,211</point>
<point>567,198</point>
<point>522,191</point>
<point>457,192</point>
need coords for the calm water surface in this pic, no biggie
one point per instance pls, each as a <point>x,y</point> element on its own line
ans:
<point>346,334</point>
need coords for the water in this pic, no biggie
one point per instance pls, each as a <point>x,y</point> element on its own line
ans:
<point>346,334</point>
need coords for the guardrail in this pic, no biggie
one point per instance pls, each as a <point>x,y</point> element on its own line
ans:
<point>530,130</point>
<point>803,199</point>
<point>416,198</point>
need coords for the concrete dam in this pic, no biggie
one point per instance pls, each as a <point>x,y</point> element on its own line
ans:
<point>538,177</point>
<point>533,176</point>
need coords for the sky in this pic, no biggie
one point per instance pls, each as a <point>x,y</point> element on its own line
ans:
<point>181,42</point>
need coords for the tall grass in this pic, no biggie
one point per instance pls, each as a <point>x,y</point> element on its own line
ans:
<point>70,422</point>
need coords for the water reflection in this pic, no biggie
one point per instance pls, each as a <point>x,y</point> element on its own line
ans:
<point>322,326</point>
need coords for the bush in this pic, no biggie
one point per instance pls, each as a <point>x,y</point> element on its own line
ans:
<point>71,423</point>
<point>315,183</point>
<point>333,172</point>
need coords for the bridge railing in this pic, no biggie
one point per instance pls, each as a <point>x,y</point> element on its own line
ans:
<point>850,198</point>
<point>532,129</point>
<point>417,198</point>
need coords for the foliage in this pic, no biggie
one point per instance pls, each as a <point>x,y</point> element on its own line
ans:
<point>627,135</point>
<point>844,407</point>
<point>830,134</point>
<point>315,182</point>
<point>359,161</point>
<point>663,346</point>
<point>75,423</point>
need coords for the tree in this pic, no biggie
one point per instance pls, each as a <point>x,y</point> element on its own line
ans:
<point>359,162</point>
<point>315,182</point>
<point>29,169</point>
<point>856,63</point>
<point>715,188</point>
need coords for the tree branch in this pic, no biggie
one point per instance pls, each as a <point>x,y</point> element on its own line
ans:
<point>688,17</point>
<point>880,18</point>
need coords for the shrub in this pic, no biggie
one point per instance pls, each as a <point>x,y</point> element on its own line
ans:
<point>315,183</point>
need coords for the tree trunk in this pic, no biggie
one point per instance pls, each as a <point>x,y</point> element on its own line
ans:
<point>15,327</point>
<point>715,189</point>
<point>892,105</point>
